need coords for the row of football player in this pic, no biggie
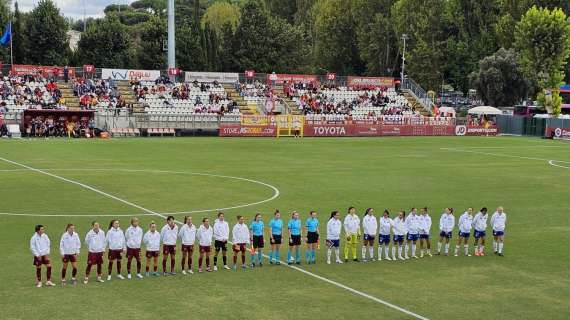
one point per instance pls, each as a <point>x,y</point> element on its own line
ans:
<point>412,228</point>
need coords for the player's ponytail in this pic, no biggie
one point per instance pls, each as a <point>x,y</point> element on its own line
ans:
<point>334,213</point>
<point>111,224</point>
<point>366,212</point>
<point>68,226</point>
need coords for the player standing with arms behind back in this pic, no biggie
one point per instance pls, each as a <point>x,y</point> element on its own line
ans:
<point>40,247</point>
<point>134,235</point>
<point>276,236</point>
<point>413,228</point>
<point>294,226</point>
<point>117,246</point>
<point>498,223</point>
<point>384,236</point>
<point>187,236</point>
<point>221,236</point>
<point>480,228</point>
<point>204,236</point>
<point>168,237</point>
<point>334,227</point>
<point>69,249</point>
<point>464,224</point>
<point>352,232</point>
<point>151,242</point>
<point>95,240</point>
<point>312,225</point>
<point>399,234</point>
<point>369,226</point>
<point>425,226</point>
<point>446,225</point>
<point>240,239</point>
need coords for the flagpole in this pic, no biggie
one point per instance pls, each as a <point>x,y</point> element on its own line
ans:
<point>11,51</point>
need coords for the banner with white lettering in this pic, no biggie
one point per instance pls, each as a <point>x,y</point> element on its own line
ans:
<point>221,77</point>
<point>130,74</point>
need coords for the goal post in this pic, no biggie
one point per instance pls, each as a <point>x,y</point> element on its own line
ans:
<point>287,125</point>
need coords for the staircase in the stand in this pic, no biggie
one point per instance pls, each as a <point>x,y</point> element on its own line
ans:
<point>71,101</point>
<point>244,107</point>
<point>290,106</point>
<point>127,92</point>
<point>417,97</point>
<point>415,104</point>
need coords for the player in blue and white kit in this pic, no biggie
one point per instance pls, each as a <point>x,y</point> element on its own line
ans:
<point>257,241</point>
<point>384,237</point>
<point>294,227</point>
<point>413,228</point>
<point>275,237</point>
<point>312,225</point>
<point>399,234</point>
<point>369,227</point>
<point>334,227</point>
<point>425,226</point>
<point>446,225</point>
<point>464,224</point>
<point>480,228</point>
<point>498,223</point>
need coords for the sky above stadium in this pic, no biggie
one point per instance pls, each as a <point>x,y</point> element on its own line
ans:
<point>74,8</point>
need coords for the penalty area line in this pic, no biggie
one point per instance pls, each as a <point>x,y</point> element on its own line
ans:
<point>316,276</point>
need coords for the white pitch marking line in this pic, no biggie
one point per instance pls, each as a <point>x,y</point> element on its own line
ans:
<point>501,155</point>
<point>337,284</point>
<point>552,163</point>
<point>276,192</point>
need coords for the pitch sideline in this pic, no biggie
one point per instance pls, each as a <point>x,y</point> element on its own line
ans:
<point>103,193</point>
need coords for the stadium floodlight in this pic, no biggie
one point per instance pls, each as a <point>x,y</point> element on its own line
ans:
<point>404,38</point>
<point>171,36</point>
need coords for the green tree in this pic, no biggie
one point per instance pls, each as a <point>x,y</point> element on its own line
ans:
<point>106,43</point>
<point>543,39</point>
<point>285,9</point>
<point>152,38</point>
<point>19,41</point>
<point>189,54</point>
<point>499,80</point>
<point>4,19</point>
<point>46,31</point>
<point>219,14</point>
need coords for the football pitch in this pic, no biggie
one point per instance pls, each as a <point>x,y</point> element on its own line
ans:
<point>55,182</point>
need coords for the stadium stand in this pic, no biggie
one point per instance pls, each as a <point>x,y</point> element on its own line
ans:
<point>29,92</point>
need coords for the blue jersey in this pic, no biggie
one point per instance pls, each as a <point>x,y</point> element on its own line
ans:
<point>257,228</point>
<point>295,226</point>
<point>276,226</point>
<point>312,224</point>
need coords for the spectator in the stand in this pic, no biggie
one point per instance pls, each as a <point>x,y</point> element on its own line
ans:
<point>65,74</point>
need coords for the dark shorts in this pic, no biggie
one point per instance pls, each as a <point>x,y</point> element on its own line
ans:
<point>69,258</point>
<point>187,248</point>
<point>384,239</point>
<point>312,237</point>
<point>465,235</point>
<point>413,236</point>
<point>424,236</point>
<point>498,233</point>
<point>295,240</point>
<point>152,254</point>
<point>398,238</point>
<point>444,234</point>
<point>369,237</point>
<point>277,239</point>
<point>479,234</point>
<point>115,254</point>
<point>168,249</point>
<point>237,247</point>
<point>220,245</point>
<point>134,253</point>
<point>38,261</point>
<point>333,243</point>
<point>205,249</point>
<point>95,257</point>
<point>258,242</point>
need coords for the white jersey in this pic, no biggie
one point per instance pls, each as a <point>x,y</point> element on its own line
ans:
<point>240,234</point>
<point>465,222</point>
<point>480,222</point>
<point>151,240</point>
<point>69,244</point>
<point>204,236</point>
<point>400,227</point>
<point>116,239</point>
<point>334,227</point>
<point>446,222</point>
<point>425,224</point>
<point>386,225</point>
<point>352,224</point>
<point>499,221</point>
<point>168,235</point>
<point>221,230</point>
<point>95,241</point>
<point>369,225</point>
<point>187,234</point>
<point>40,245</point>
<point>413,223</point>
<point>134,235</point>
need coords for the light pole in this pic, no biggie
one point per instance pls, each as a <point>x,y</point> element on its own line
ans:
<point>404,37</point>
<point>171,36</point>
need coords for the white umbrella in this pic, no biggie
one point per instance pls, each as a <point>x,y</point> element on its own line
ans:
<point>484,110</point>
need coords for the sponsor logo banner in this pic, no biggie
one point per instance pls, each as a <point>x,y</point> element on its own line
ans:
<point>462,130</point>
<point>236,130</point>
<point>558,133</point>
<point>221,77</point>
<point>376,130</point>
<point>328,130</point>
<point>129,74</point>
<point>254,120</point>
<point>22,69</point>
<point>370,82</point>
<point>281,78</point>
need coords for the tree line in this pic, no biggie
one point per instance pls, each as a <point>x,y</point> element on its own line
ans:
<point>499,47</point>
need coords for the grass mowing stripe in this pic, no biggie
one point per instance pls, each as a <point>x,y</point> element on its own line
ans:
<point>339,285</point>
<point>502,155</point>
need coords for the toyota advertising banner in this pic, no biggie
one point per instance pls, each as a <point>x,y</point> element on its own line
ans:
<point>130,74</point>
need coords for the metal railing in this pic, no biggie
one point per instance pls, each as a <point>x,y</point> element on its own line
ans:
<point>419,93</point>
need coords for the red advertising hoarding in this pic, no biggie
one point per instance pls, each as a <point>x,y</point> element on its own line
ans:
<point>558,133</point>
<point>236,130</point>
<point>281,78</point>
<point>370,82</point>
<point>462,130</point>
<point>23,69</point>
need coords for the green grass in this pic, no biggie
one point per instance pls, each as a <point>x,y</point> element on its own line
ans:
<point>323,174</point>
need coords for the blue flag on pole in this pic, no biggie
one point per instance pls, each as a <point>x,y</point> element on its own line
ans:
<point>7,36</point>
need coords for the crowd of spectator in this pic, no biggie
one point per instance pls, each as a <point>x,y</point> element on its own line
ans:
<point>30,92</point>
<point>52,126</point>
<point>99,93</point>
